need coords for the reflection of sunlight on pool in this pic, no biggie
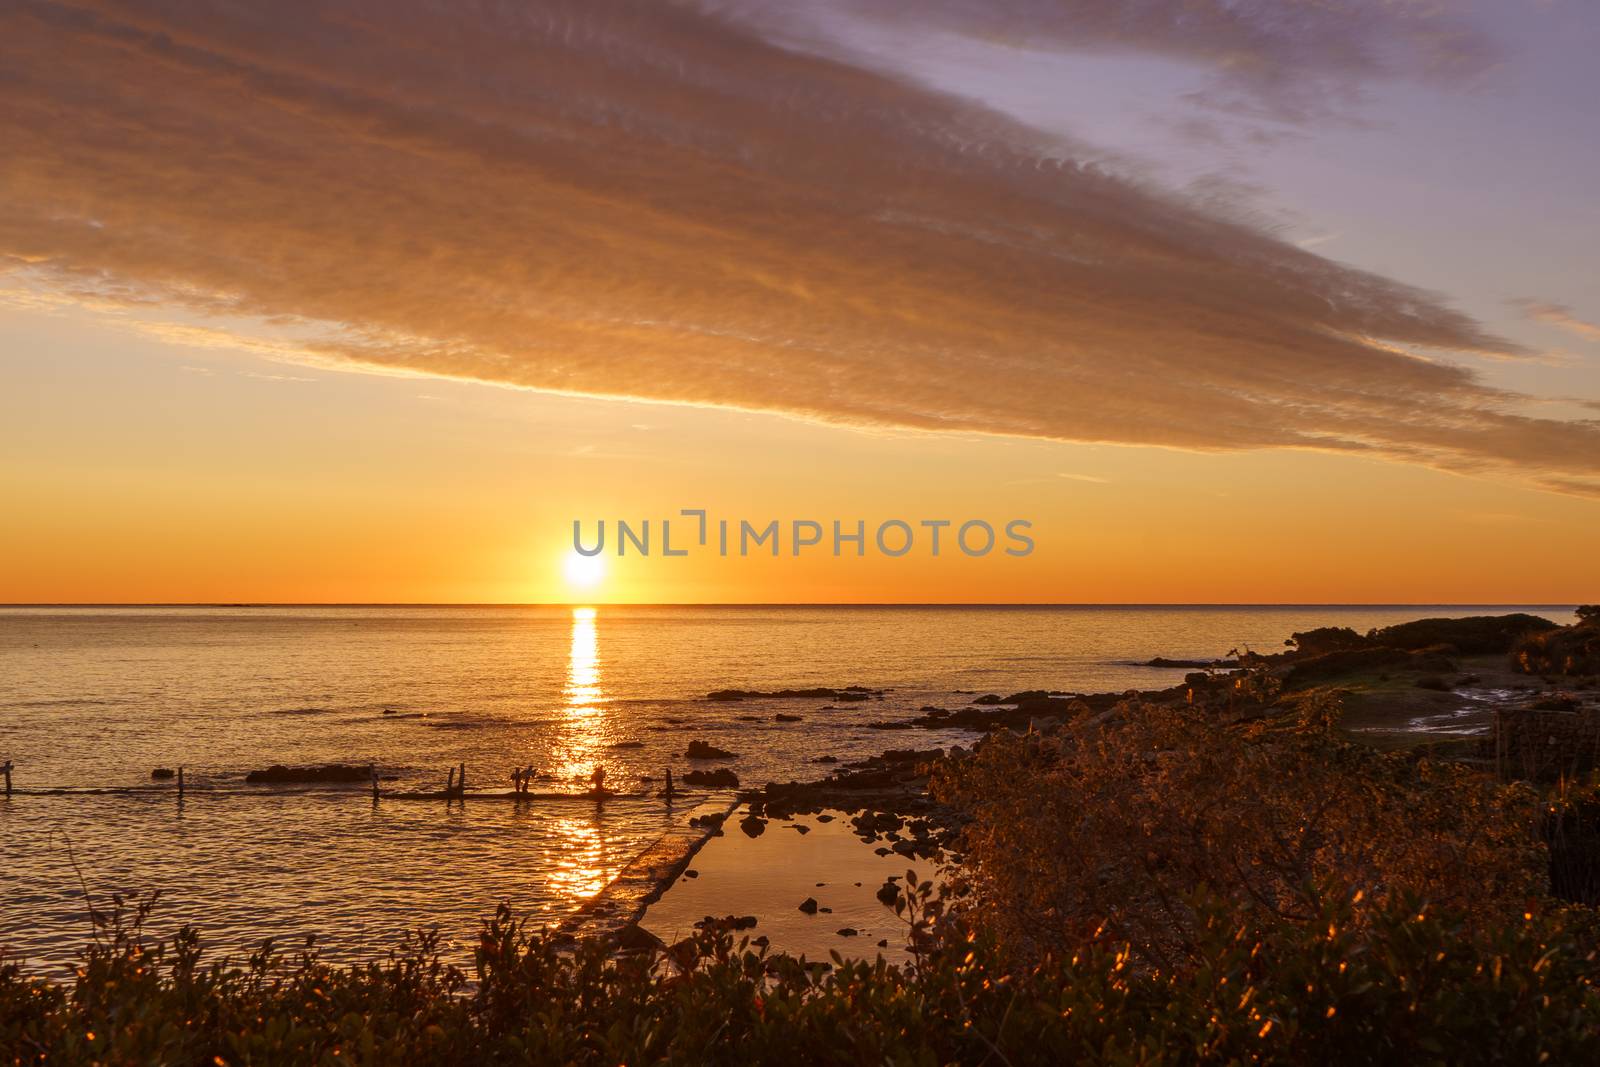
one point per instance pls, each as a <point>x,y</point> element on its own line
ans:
<point>583,867</point>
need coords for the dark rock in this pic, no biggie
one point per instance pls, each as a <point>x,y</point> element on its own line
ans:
<point>721,778</point>
<point>1349,661</point>
<point>884,943</point>
<point>1477,635</point>
<point>800,828</point>
<point>753,825</point>
<point>780,717</point>
<point>888,893</point>
<point>877,822</point>
<point>849,692</point>
<point>826,759</point>
<point>706,750</point>
<point>809,905</point>
<point>848,931</point>
<point>716,818</point>
<point>1325,639</point>
<point>330,772</point>
<point>691,873</point>
<point>163,773</point>
<point>626,744</point>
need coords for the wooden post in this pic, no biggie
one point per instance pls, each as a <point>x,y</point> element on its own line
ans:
<point>461,783</point>
<point>450,784</point>
<point>6,767</point>
<point>374,772</point>
<point>180,783</point>
<point>667,792</point>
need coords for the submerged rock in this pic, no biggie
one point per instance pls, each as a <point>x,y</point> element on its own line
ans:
<point>706,750</point>
<point>721,778</point>
<point>328,772</point>
<point>162,773</point>
<point>849,692</point>
<point>809,905</point>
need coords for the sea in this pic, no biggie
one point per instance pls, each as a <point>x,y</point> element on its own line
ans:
<point>93,699</point>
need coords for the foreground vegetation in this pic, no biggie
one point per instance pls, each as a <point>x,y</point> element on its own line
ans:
<point>1228,881</point>
<point>1359,983</point>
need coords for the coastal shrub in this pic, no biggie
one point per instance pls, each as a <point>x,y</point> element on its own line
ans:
<point>1101,834</point>
<point>1360,982</point>
<point>1570,650</point>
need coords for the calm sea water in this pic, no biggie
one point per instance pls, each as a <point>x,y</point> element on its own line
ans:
<point>95,698</point>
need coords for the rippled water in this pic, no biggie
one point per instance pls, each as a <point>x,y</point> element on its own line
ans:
<point>95,698</point>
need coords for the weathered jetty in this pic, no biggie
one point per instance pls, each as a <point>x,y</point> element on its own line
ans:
<point>617,909</point>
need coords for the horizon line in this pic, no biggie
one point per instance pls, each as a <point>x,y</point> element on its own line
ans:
<point>780,604</point>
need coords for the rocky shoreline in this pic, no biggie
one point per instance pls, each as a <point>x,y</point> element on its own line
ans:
<point>1391,683</point>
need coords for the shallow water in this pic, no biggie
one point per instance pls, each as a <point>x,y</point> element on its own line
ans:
<point>768,877</point>
<point>96,697</point>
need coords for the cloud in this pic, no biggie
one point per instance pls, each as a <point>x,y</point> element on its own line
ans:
<point>649,201</point>
<point>1558,315</point>
<point>1284,60</point>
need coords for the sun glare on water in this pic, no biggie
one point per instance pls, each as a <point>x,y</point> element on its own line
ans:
<point>583,572</point>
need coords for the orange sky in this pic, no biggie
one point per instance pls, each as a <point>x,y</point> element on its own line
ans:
<point>297,306</point>
<point>140,472</point>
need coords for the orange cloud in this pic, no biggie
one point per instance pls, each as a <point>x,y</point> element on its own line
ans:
<point>1559,315</point>
<point>644,200</point>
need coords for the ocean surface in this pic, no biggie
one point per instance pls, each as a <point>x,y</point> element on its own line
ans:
<point>92,699</point>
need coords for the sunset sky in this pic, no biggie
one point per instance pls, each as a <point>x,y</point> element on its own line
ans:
<point>1235,300</point>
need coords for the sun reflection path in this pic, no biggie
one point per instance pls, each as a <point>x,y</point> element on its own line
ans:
<point>586,864</point>
<point>583,665</point>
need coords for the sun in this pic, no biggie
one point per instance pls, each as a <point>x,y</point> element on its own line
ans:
<point>583,572</point>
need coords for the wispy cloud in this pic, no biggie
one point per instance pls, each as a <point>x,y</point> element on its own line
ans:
<point>1283,60</point>
<point>1558,315</point>
<point>646,200</point>
<point>1317,240</point>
